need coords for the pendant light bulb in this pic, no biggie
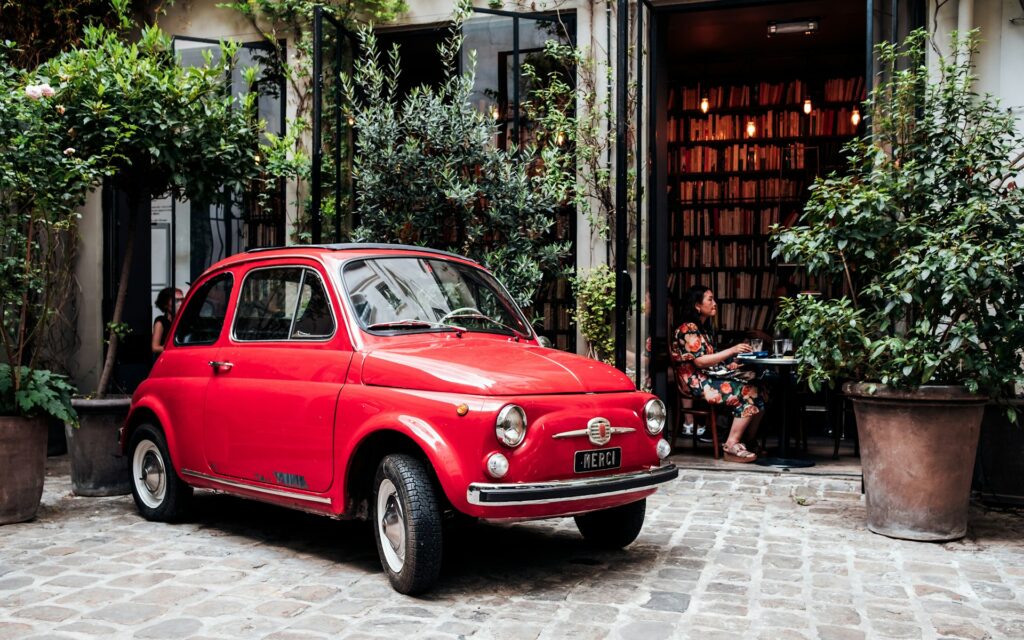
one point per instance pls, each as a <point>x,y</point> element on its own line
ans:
<point>704,105</point>
<point>807,106</point>
<point>494,112</point>
<point>855,116</point>
<point>751,128</point>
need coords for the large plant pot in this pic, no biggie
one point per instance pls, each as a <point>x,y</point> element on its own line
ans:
<point>917,453</point>
<point>999,470</point>
<point>22,467</point>
<point>97,466</point>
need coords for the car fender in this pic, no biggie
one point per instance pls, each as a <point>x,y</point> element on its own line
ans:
<point>149,405</point>
<point>445,462</point>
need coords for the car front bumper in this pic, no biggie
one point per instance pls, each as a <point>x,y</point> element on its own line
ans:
<point>503,495</point>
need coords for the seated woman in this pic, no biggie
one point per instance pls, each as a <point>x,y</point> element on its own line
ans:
<point>714,375</point>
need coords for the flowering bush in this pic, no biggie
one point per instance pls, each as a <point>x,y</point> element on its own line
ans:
<point>42,181</point>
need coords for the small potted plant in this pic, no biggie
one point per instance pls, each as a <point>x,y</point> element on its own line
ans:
<point>925,233</point>
<point>42,182</point>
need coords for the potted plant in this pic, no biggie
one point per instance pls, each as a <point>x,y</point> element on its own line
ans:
<point>926,234</point>
<point>42,182</point>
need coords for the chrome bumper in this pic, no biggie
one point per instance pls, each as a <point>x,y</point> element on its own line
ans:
<point>501,495</point>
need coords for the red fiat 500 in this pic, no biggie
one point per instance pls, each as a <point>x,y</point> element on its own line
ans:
<point>391,383</point>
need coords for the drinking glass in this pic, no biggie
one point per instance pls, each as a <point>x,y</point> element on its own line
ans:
<point>756,344</point>
<point>787,346</point>
<point>778,347</point>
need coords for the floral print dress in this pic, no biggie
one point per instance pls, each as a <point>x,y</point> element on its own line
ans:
<point>744,397</point>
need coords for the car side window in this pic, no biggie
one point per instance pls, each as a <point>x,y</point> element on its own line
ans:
<point>313,317</point>
<point>282,303</point>
<point>203,318</point>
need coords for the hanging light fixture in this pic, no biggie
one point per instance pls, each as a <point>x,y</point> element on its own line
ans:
<point>806,26</point>
<point>751,128</point>
<point>494,112</point>
<point>855,116</point>
<point>704,105</point>
<point>808,106</point>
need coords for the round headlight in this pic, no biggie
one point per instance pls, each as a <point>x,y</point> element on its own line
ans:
<point>654,416</point>
<point>510,426</point>
<point>497,465</point>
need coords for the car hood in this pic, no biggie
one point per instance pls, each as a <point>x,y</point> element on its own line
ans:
<point>490,367</point>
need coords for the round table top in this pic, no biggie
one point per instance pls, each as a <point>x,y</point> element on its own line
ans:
<point>790,361</point>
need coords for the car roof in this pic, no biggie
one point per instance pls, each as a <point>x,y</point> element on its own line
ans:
<point>348,250</point>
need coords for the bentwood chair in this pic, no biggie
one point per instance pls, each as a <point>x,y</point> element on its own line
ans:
<point>687,404</point>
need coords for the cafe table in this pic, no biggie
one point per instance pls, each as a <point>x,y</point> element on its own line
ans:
<point>783,365</point>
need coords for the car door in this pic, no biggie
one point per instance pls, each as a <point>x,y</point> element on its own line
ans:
<point>184,371</point>
<point>272,402</point>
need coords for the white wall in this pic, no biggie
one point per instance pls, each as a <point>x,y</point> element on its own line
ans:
<point>998,64</point>
<point>89,285</point>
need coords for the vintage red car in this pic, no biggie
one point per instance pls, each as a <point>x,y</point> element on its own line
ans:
<point>393,383</point>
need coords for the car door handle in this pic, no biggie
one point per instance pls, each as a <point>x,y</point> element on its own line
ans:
<point>221,366</point>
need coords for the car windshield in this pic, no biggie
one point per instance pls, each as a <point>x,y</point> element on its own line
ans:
<point>407,294</point>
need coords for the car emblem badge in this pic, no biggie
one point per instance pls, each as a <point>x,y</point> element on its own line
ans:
<point>599,431</point>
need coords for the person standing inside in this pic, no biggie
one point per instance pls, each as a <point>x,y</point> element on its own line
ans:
<point>167,301</point>
<point>715,375</point>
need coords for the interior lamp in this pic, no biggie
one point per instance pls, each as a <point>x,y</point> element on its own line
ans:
<point>751,128</point>
<point>807,106</point>
<point>704,105</point>
<point>494,112</point>
<point>855,116</point>
<point>807,26</point>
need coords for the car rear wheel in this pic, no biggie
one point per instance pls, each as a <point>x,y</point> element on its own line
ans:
<point>407,523</point>
<point>613,528</point>
<point>159,493</point>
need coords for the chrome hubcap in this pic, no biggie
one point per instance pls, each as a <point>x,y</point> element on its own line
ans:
<point>391,525</point>
<point>152,473</point>
<point>149,474</point>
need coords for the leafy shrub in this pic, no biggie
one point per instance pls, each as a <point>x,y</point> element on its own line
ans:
<point>428,174</point>
<point>925,232</point>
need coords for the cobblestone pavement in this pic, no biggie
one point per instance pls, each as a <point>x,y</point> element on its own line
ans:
<point>723,555</point>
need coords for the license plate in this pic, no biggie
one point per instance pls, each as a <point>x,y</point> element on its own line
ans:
<point>597,460</point>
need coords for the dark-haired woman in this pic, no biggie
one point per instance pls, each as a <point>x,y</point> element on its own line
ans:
<point>713,376</point>
<point>167,301</point>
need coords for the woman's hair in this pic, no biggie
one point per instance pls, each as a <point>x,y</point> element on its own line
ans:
<point>164,299</point>
<point>693,297</point>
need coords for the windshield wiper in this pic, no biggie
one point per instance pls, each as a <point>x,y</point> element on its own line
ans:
<point>479,316</point>
<point>412,323</point>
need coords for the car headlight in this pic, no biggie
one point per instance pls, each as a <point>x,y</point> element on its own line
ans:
<point>654,416</point>
<point>510,427</point>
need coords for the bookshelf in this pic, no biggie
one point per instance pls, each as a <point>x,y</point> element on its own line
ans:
<point>555,302</point>
<point>728,183</point>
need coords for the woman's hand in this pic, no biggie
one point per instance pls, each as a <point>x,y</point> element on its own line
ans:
<point>742,347</point>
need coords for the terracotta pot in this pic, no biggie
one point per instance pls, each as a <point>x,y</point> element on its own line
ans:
<point>97,466</point>
<point>22,467</point>
<point>917,452</point>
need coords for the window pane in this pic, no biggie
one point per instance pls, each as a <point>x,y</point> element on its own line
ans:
<point>203,318</point>
<point>313,316</point>
<point>266,304</point>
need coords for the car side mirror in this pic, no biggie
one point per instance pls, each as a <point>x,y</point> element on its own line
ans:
<point>544,342</point>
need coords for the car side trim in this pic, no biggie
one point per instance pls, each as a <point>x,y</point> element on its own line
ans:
<point>248,487</point>
<point>501,495</point>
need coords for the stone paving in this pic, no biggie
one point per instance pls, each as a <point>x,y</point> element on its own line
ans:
<point>723,555</point>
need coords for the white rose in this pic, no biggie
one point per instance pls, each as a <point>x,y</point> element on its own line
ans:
<point>34,92</point>
<point>46,90</point>
<point>69,151</point>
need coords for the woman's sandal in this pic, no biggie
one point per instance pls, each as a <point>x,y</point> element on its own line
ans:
<point>737,453</point>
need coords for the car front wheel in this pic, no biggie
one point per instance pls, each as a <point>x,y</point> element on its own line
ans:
<point>159,493</point>
<point>613,528</point>
<point>407,523</point>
